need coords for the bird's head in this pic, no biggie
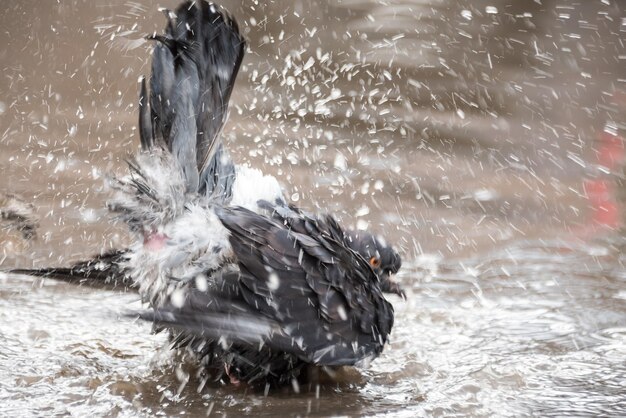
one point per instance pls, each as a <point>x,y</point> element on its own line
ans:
<point>384,260</point>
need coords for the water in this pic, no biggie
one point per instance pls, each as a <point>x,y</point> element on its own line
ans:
<point>483,138</point>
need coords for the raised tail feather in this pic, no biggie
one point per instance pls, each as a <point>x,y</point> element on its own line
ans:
<point>194,67</point>
<point>105,271</point>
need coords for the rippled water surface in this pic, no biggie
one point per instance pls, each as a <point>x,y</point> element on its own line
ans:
<point>483,138</point>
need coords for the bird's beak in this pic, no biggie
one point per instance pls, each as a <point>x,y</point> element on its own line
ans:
<point>390,286</point>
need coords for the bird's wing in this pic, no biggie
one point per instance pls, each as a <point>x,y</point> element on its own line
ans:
<point>322,294</point>
<point>194,67</point>
<point>106,271</point>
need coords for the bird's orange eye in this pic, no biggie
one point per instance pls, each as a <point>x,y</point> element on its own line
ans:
<point>375,262</point>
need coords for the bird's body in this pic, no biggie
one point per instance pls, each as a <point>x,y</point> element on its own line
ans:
<point>291,299</point>
<point>255,288</point>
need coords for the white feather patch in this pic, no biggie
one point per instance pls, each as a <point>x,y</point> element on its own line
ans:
<point>251,185</point>
<point>197,242</point>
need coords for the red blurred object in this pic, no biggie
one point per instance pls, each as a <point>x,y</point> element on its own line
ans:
<point>604,208</point>
<point>611,152</point>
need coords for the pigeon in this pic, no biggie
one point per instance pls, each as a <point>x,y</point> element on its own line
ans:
<point>297,297</point>
<point>258,290</point>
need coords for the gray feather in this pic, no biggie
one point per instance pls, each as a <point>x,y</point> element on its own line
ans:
<point>194,67</point>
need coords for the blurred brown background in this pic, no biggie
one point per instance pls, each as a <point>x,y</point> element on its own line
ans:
<point>449,125</point>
